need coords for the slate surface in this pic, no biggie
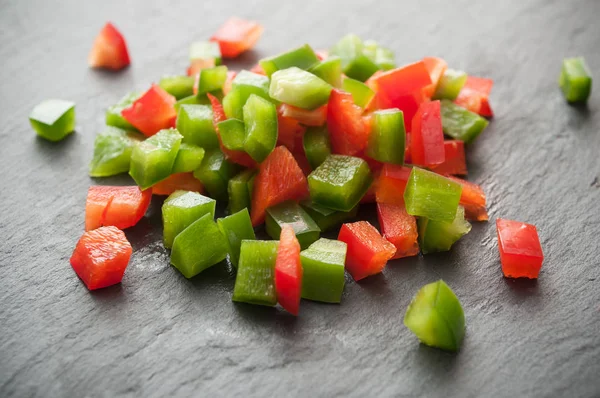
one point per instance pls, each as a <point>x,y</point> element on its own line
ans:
<point>158,334</point>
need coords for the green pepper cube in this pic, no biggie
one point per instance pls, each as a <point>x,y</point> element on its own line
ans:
<point>361,93</point>
<point>195,123</point>
<point>460,123</point>
<point>302,57</point>
<point>188,158</point>
<point>180,210</point>
<point>323,270</point>
<point>242,87</point>
<point>260,118</point>
<point>385,58</point>
<point>325,218</point>
<point>355,64</point>
<point>211,79</point>
<point>198,247</point>
<point>431,195</point>
<point>330,70</point>
<point>388,137</point>
<point>112,152</point>
<point>233,134</point>
<point>290,212</point>
<point>300,88</point>
<point>238,189</point>
<point>53,119</point>
<point>178,86</point>
<point>439,236</point>
<point>436,317</point>
<point>340,182</point>
<point>192,100</point>
<point>205,50</point>
<point>113,113</point>
<point>236,228</point>
<point>450,84</point>
<point>575,80</point>
<point>152,159</point>
<point>214,173</point>
<point>255,280</point>
<point>316,145</point>
<point>370,49</point>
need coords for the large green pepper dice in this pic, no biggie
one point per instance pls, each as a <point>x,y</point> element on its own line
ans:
<point>53,119</point>
<point>302,57</point>
<point>260,118</point>
<point>460,123</point>
<point>323,270</point>
<point>355,63</point>
<point>437,236</point>
<point>255,280</point>
<point>330,70</point>
<point>233,134</point>
<point>340,182</point>
<point>238,190</point>
<point>188,159</point>
<point>242,87</point>
<point>575,80</point>
<point>113,113</point>
<point>300,88</point>
<point>211,79</point>
<point>112,152</point>
<point>152,160</point>
<point>436,317</point>
<point>450,84</point>
<point>236,228</point>
<point>361,93</point>
<point>431,195</point>
<point>388,137</point>
<point>290,213</point>
<point>326,218</point>
<point>214,173</point>
<point>178,86</point>
<point>189,256</point>
<point>180,210</point>
<point>193,100</point>
<point>195,123</point>
<point>316,145</point>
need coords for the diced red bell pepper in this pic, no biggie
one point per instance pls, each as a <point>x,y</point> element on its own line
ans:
<point>399,228</point>
<point>399,82</point>
<point>258,70</point>
<point>347,130</point>
<point>473,200</point>
<point>279,178</point>
<point>98,199</point>
<point>101,256</point>
<point>197,65</point>
<point>109,50</point>
<point>152,112</point>
<point>391,184</point>
<point>370,195</point>
<point>237,35</point>
<point>176,182</point>
<point>474,96</point>
<point>231,74</point>
<point>300,156</point>
<point>288,271</point>
<point>368,252</point>
<point>520,249</point>
<point>288,130</point>
<point>316,117</point>
<point>121,207</point>
<point>454,159</point>
<point>436,68</point>
<point>427,136</point>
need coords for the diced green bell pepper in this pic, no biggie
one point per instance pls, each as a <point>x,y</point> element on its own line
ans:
<point>192,100</point>
<point>180,210</point>
<point>290,212</point>
<point>300,88</point>
<point>340,182</point>
<point>450,84</point>
<point>255,280</point>
<point>198,247</point>
<point>238,189</point>
<point>439,236</point>
<point>152,159</point>
<point>260,118</point>
<point>460,123</point>
<point>233,134</point>
<point>326,218</point>
<point>188,158</point>
<point>195,123</point>
<point>205,50</point>
<point>388,137</point>
<point>361,93</point>
<point>215,172</point>
<point>53,119</point>
<point>355,64</point>
<point>302,57</point>
<point>316,145</point>
<point>575,80</point>
<point>330,70</point>
<point>178,86</point>
<point>236,228</point>
<point>113,113</point>
<point>243,85</point>
<point>382,56</point>
<point>211,79</point>
<point>112,151</point>
<point>323,270</point>
<point>436,317</point>
<point>431,195</point>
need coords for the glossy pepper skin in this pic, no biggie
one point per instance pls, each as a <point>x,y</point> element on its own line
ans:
<point>195,123</point>
<point>118,206</point>
<point>288,271</point>
<point>427,136</point>
<point>300,88</point>
<point>323,270</point>
<point>438,236</point>
<point>112,152</point>
<point>189,158</point>
<point>460,123</point>
<point>260,119</point>
<point>330,70</point>
<point>575,80</point>
<point>180,210</point>
<point>361,93</point>
<point>316,145</point>
<point>211,80</point>
<point>520,249</point>
<point>388,136</point>
<point>399,228</point>
<point>347,130</point>
<point>53,119</point>
<point>255,280</point>
<point>215,172</point>
<point>302,57</point>
<point>238,190</point>
<point>152,112</point>
<point>431,195</point>
<point>232,133</point>
<point>391,184</point>
<point>236,228</point>
<point>242,87</point>
<point>474,96</point>
<point>454,159</point>
<point>450,84</point>
<point>290,213</point>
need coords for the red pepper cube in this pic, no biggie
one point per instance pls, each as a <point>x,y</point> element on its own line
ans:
<point>347,130</point>
<point>427,135</point>
<point>368,252</point>
<point>110,49</point>
<point>391,183</point>
<point>101,256</point>
<point>399,228</point>
<point>473,199</point>
<point>119,206</point>
<point>407,79</point>
<point>520,249</point>
<point>237,35</point>
<point>288,271</point>
<point>454,159</point>
<point>475,96</point>
<point>152,112</point>
<point>436,68</point>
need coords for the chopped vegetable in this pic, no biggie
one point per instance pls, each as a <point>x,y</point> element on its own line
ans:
<point>474,96</point>
<point>520,249</point>
<point>361,93</point>
<point>288,271</point>
<point>323,271</point>
<point>175,182</point>
<point>255,281</point>
<point>436,317</point>
<point>290,213</point>
<point>180,210</point>
<point>330,70</point>
<point>113,113</point>
<point>191,100</point>
<point>98,199</point>
<point>316,117</point>
<point>355,64</point>
<point>383,57</point>
<point>473,200</point>
<point>121,207</point>
<point>53,119</point>
<point>189,157</point>
<point>214,173</point>
<point>436,68</point>
<point>325,218</point>
<point>302,57</point>
<point>300,88</point>
<point>450,84</point>
<point>388,136</point>
<point>399,228</point>
<point>368,252</point>
<point>316,146</point>
<point>392,86</point>
<point>391,184</point>
<point>432,196</point>
<point>101,256</point>
<point>152,112</point>
<point>236,228</point>
<point>288,130</point>
<point>236,36</point>
<point>460,123</point>
<point>575,80</point>
<point>438,236</point>
<point>454,159</point>
<point>260,118</point>
<point>112,152</point>
<point>195,123</point>
<point>205,51</point>
<point>238,190</point>
<point>347,130</point>
<point>178,86</point>
<point>211,79</point>
<point>242,87</point>
<point>152,159</point>
<point>109,50</point>
<point>427,137</point>
<point>232,133</point>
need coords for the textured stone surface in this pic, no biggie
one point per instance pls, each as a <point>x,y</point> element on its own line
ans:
<point>158,334</point>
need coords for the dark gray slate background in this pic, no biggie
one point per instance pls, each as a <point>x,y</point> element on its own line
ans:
<point>158,334</point>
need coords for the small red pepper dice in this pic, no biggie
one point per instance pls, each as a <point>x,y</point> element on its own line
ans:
<point>520,249</point>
